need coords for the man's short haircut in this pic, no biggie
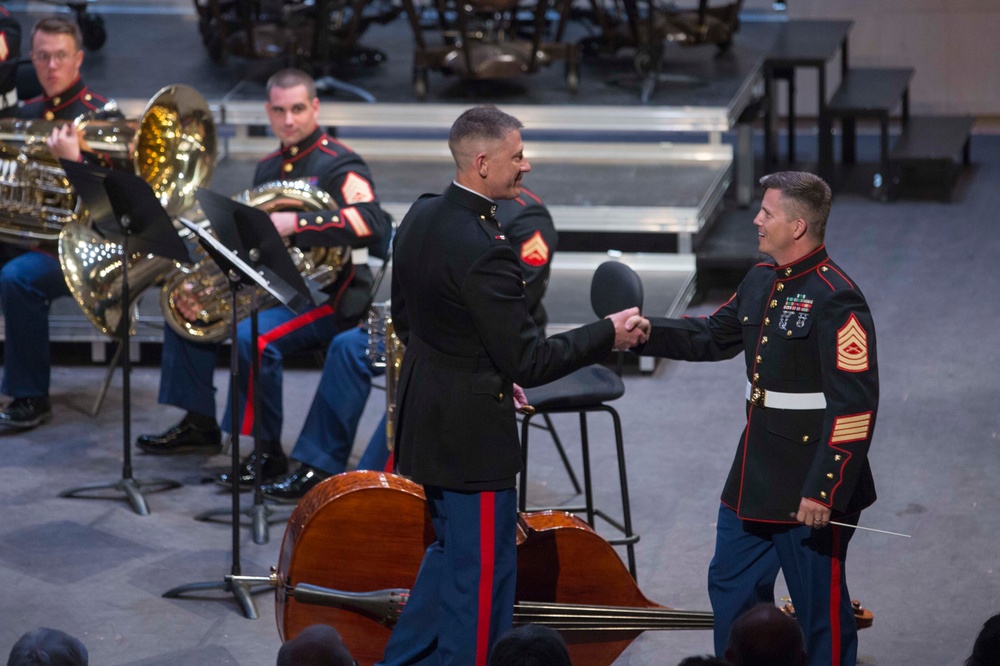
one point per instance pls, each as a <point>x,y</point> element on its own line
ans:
<point>530,645</point>
<point>316,645</point>
<point>808,194</point>
<point>58,25</point>
<point>47,647</point>
<point>289,78</point>
<point>765,635</point>
<point>986,649</point>
<point>481,123</point>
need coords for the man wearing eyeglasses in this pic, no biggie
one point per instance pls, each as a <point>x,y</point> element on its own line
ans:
<point>30,279</point>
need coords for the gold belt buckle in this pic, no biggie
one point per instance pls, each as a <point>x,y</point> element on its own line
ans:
<point>757,396</point>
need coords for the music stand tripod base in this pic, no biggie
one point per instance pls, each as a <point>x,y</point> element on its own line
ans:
<point>130,487</point>
<point>261,516</point>
<point>238,588</point>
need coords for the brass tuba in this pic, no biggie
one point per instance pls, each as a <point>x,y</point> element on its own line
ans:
<point>173,148</point>
<point>207,285</point>
<point>36,199</point>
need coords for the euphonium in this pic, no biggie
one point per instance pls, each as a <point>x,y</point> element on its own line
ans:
<point>208,286</point>
<point>36,199</point>
<point>173,149</point>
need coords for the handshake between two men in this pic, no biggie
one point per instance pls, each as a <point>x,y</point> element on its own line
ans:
<point>631,329</point>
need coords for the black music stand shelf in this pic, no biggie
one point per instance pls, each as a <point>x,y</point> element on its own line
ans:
<point>248,250</point>
<point>123,205</point>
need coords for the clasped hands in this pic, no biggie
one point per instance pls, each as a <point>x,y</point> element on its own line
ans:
<point>631,329</point>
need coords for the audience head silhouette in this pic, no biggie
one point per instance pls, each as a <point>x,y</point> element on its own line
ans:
<point>765,636</point>
<point>316,645</point>
<point>987,647</point>
<point>530,645</point>
<point>703,660</point>
<point>47,647</point>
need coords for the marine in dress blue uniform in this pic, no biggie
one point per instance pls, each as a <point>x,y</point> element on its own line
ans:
<point>359,222</point>
<point>324,445</point>
<point>458,305</point>
<point>807,336</point>
<point>31,279</point>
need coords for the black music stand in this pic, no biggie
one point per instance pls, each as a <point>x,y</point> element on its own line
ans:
<point>249,251</point>
<point>123,205</point>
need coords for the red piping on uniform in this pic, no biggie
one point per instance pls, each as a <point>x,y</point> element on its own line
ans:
<point>835,574</point>
<point>264,340</point>
<point>330,139</point>
<point>525,190</point>
<point>487,564</point>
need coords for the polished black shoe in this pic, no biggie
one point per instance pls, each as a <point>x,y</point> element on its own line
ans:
<point>292,487</point>
<point>26,412</point>
<point>271,466</point>
<point>185,437</point>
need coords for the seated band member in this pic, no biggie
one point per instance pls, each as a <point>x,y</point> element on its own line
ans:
<point>308,154</point>
<point>325,442</point>
<point>31,279</point>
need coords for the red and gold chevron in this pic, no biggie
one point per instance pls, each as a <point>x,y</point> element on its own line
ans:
<point>356,189</point>
<point>534,251</point>
<point>852,346</point>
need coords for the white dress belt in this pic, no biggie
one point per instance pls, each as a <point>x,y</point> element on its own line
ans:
<point>359,256</point>
<point>778,400</point>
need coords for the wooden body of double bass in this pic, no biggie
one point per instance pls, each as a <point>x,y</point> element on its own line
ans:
<point>364,531</point>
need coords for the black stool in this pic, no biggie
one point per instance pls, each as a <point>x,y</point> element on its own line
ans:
<point>614,287</point>
<point>584,391</point>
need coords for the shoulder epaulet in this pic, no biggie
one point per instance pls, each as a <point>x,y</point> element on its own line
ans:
<point>831,274</point>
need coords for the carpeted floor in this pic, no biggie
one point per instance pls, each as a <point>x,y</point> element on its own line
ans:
<point>96,569</point>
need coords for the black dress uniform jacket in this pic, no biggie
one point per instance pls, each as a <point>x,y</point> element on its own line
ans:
<point>458,305</point>
<point>358,222</point>
<point>75,101</point>
<point>804,328</point>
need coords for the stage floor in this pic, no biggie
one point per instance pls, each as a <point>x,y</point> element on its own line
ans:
<point>98,570</point>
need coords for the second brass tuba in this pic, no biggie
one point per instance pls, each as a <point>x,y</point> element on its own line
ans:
<point>208,286</point>
<point>173,149</point>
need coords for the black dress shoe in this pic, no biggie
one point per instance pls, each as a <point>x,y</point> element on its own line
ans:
<point>184,437</point>
<point>272,466</point>
<point>292,487</point>
<point>26,412</point>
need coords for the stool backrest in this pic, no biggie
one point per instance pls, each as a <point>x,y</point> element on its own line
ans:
<point>615,287</point>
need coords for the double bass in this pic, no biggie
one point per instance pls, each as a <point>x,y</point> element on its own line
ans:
<point>354,544</point>
<point>363,535</point>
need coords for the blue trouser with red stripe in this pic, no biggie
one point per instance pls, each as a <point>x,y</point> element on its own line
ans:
<point>463,599</point>
<point>748,555</point>
<point>186,380</point>
<point>28,283</point>
<point>328,433</point>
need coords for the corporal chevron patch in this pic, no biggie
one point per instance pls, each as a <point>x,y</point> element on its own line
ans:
<point>356,189</point>
<point>853,428</point>
<point>852,346</point>
<point>535,251</point>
